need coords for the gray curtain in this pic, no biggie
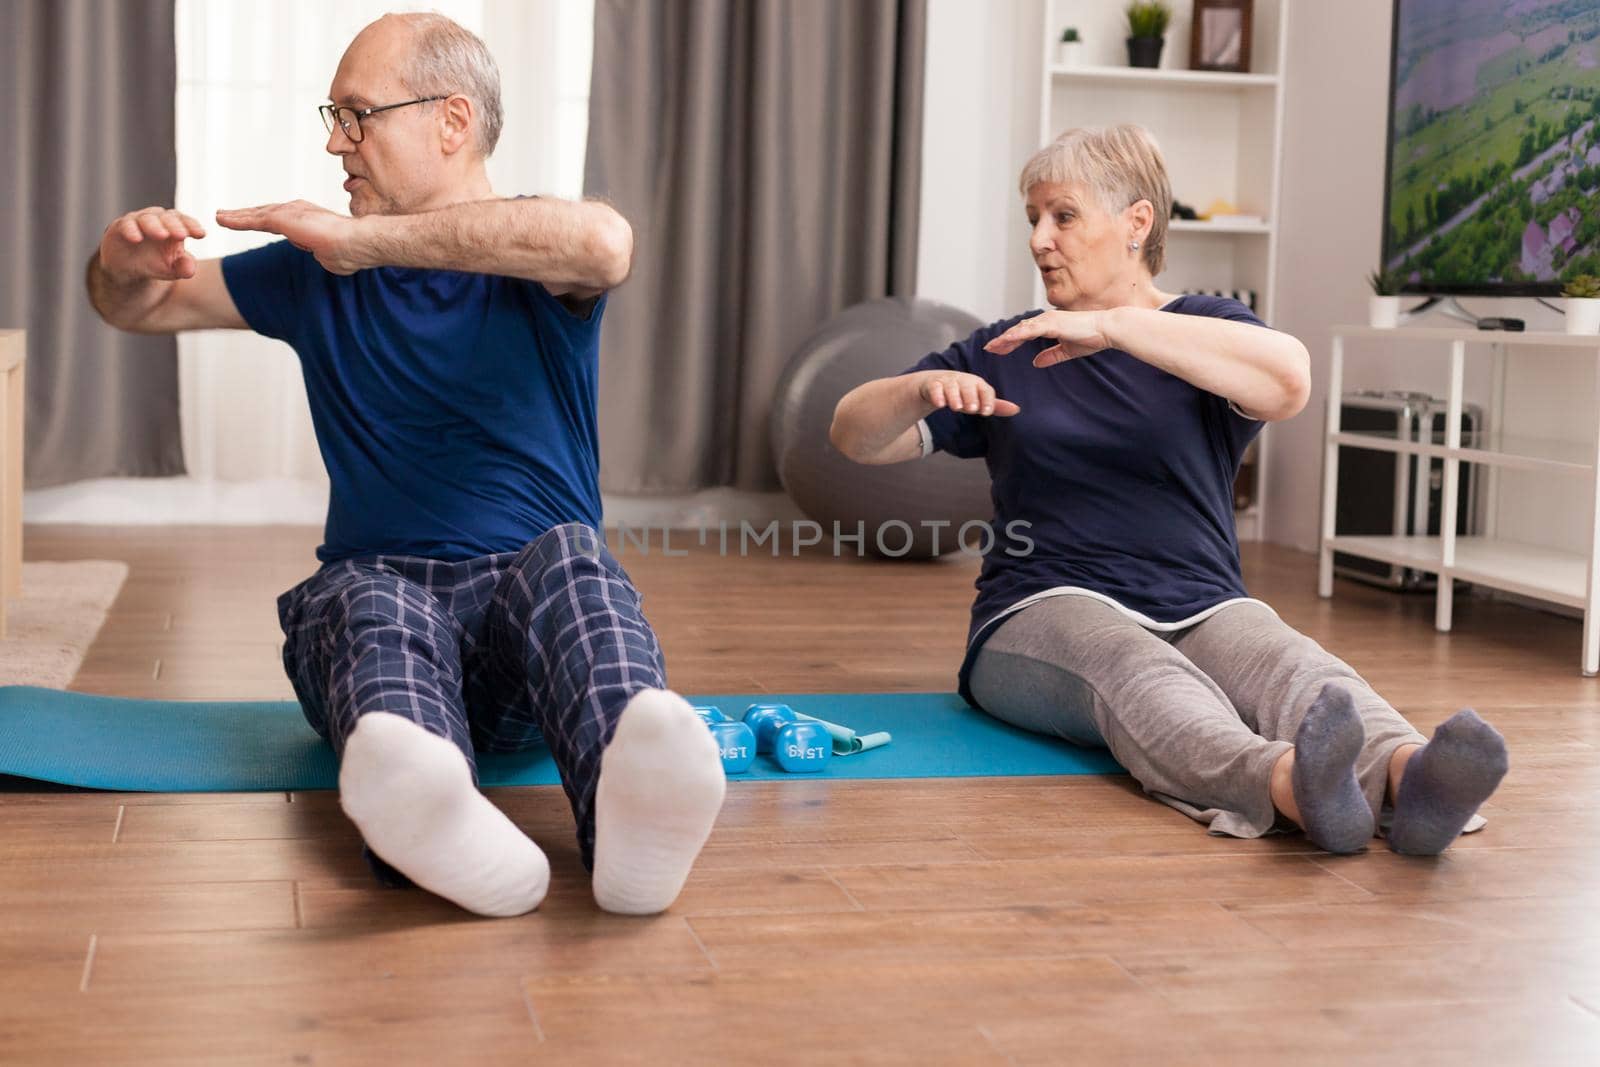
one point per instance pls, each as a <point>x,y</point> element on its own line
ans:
<point>767,153</point>
<point>87,89</point>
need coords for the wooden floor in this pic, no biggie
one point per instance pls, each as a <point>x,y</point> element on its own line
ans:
<point>969,921</point>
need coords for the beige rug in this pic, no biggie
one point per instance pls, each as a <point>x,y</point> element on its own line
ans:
<point>49,630</point>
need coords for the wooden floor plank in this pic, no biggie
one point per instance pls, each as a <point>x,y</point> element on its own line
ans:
<point>1490,972</point>
<point>189,907</point>
<point>35,826</point>
<point>364,1023</point>
<point>241,961</point>
<point>930,935</point>
<point>1097,879</point>
<point>1162,1036</point>
<point>1473,873</point>
<point>46,963</point>
<point>900,1013</point>
<point>1553,1031</point>
<point>181,862</point>
<point>1387,922</point>
<point>200,821</point>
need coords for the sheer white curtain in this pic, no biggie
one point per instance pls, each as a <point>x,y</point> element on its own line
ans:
<point>250,76</point>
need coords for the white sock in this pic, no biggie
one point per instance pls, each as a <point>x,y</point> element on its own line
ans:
<point>661,786</point>
<point>411,794</point>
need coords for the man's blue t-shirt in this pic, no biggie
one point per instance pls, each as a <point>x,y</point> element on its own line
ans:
<point>456,412</point>
<point>1122,474</point>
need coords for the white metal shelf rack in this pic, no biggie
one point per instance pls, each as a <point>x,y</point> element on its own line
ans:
<point>1534,571</point>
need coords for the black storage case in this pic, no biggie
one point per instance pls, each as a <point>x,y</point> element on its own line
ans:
<point>1379,493</point>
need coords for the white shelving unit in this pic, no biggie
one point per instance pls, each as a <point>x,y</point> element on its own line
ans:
<point>1191,79</point>
<point>1561,577</point>
<point>1259,229</point>
<point>1221,134</point>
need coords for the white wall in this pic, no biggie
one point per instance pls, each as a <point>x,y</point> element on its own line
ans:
<point>980,125</point>
<point>1335,93</point>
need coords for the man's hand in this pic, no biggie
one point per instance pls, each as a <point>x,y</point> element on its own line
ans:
<point>329,236</point>
<point>147,245</point>
<point>1077,333</point>
<point>962,392</point>
<point>141,278</point>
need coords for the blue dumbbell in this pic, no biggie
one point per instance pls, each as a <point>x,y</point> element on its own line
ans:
<point>736,744</point>
<point>710,713</point>
<point>764,720</point>
<point>802,747</point>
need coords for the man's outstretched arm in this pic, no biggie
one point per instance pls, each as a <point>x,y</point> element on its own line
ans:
<point>143,279</point>
<point>574,248</point>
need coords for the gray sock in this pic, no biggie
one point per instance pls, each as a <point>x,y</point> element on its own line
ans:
<point>1445,782</point>
<point>1332,807</point>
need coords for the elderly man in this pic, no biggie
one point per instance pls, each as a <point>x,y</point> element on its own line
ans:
<point>465,601</point>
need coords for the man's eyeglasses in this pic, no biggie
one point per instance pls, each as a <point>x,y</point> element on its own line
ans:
<point>349,119</point>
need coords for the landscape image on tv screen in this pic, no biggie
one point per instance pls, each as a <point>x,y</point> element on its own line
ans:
<point>1494,159</point>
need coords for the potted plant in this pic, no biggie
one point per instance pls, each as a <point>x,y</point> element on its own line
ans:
<point>1384,309</point>
<point>1583,304</point>
<point>1069,50</point>
<point>1147,28</point>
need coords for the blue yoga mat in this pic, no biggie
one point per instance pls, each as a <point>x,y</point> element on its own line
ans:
<point>168,746</point>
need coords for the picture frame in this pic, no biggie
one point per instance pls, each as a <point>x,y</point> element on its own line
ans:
<point>1219,35</point>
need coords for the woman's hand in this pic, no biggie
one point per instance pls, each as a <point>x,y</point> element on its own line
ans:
<point>1076,333</point>
<point>966,393</point>
<point>1264,373</point>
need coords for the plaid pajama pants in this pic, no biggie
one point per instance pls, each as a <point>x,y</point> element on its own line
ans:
<point>495,654</point>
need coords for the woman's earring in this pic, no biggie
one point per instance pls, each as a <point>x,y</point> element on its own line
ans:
<point>1133,246</point>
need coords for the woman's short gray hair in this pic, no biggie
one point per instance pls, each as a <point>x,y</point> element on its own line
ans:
<point>1119,166</point>
<point>446,57</point>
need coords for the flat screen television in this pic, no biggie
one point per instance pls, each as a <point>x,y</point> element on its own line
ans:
<point>1492,183</point>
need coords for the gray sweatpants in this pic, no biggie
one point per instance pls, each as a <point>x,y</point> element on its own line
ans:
<point>1198,716</point>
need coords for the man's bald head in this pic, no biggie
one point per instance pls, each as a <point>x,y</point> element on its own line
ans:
<point>430,96</point>
<point>431,55</point>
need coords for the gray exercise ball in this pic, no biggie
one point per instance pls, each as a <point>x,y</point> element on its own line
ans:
<point>876,339</point>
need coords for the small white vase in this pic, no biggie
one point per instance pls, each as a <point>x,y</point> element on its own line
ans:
<point>1583,316</point>
<point>1383,312</point>
<point>1069,54</point>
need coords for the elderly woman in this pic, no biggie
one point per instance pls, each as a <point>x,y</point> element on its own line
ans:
<point>1112,611</point>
